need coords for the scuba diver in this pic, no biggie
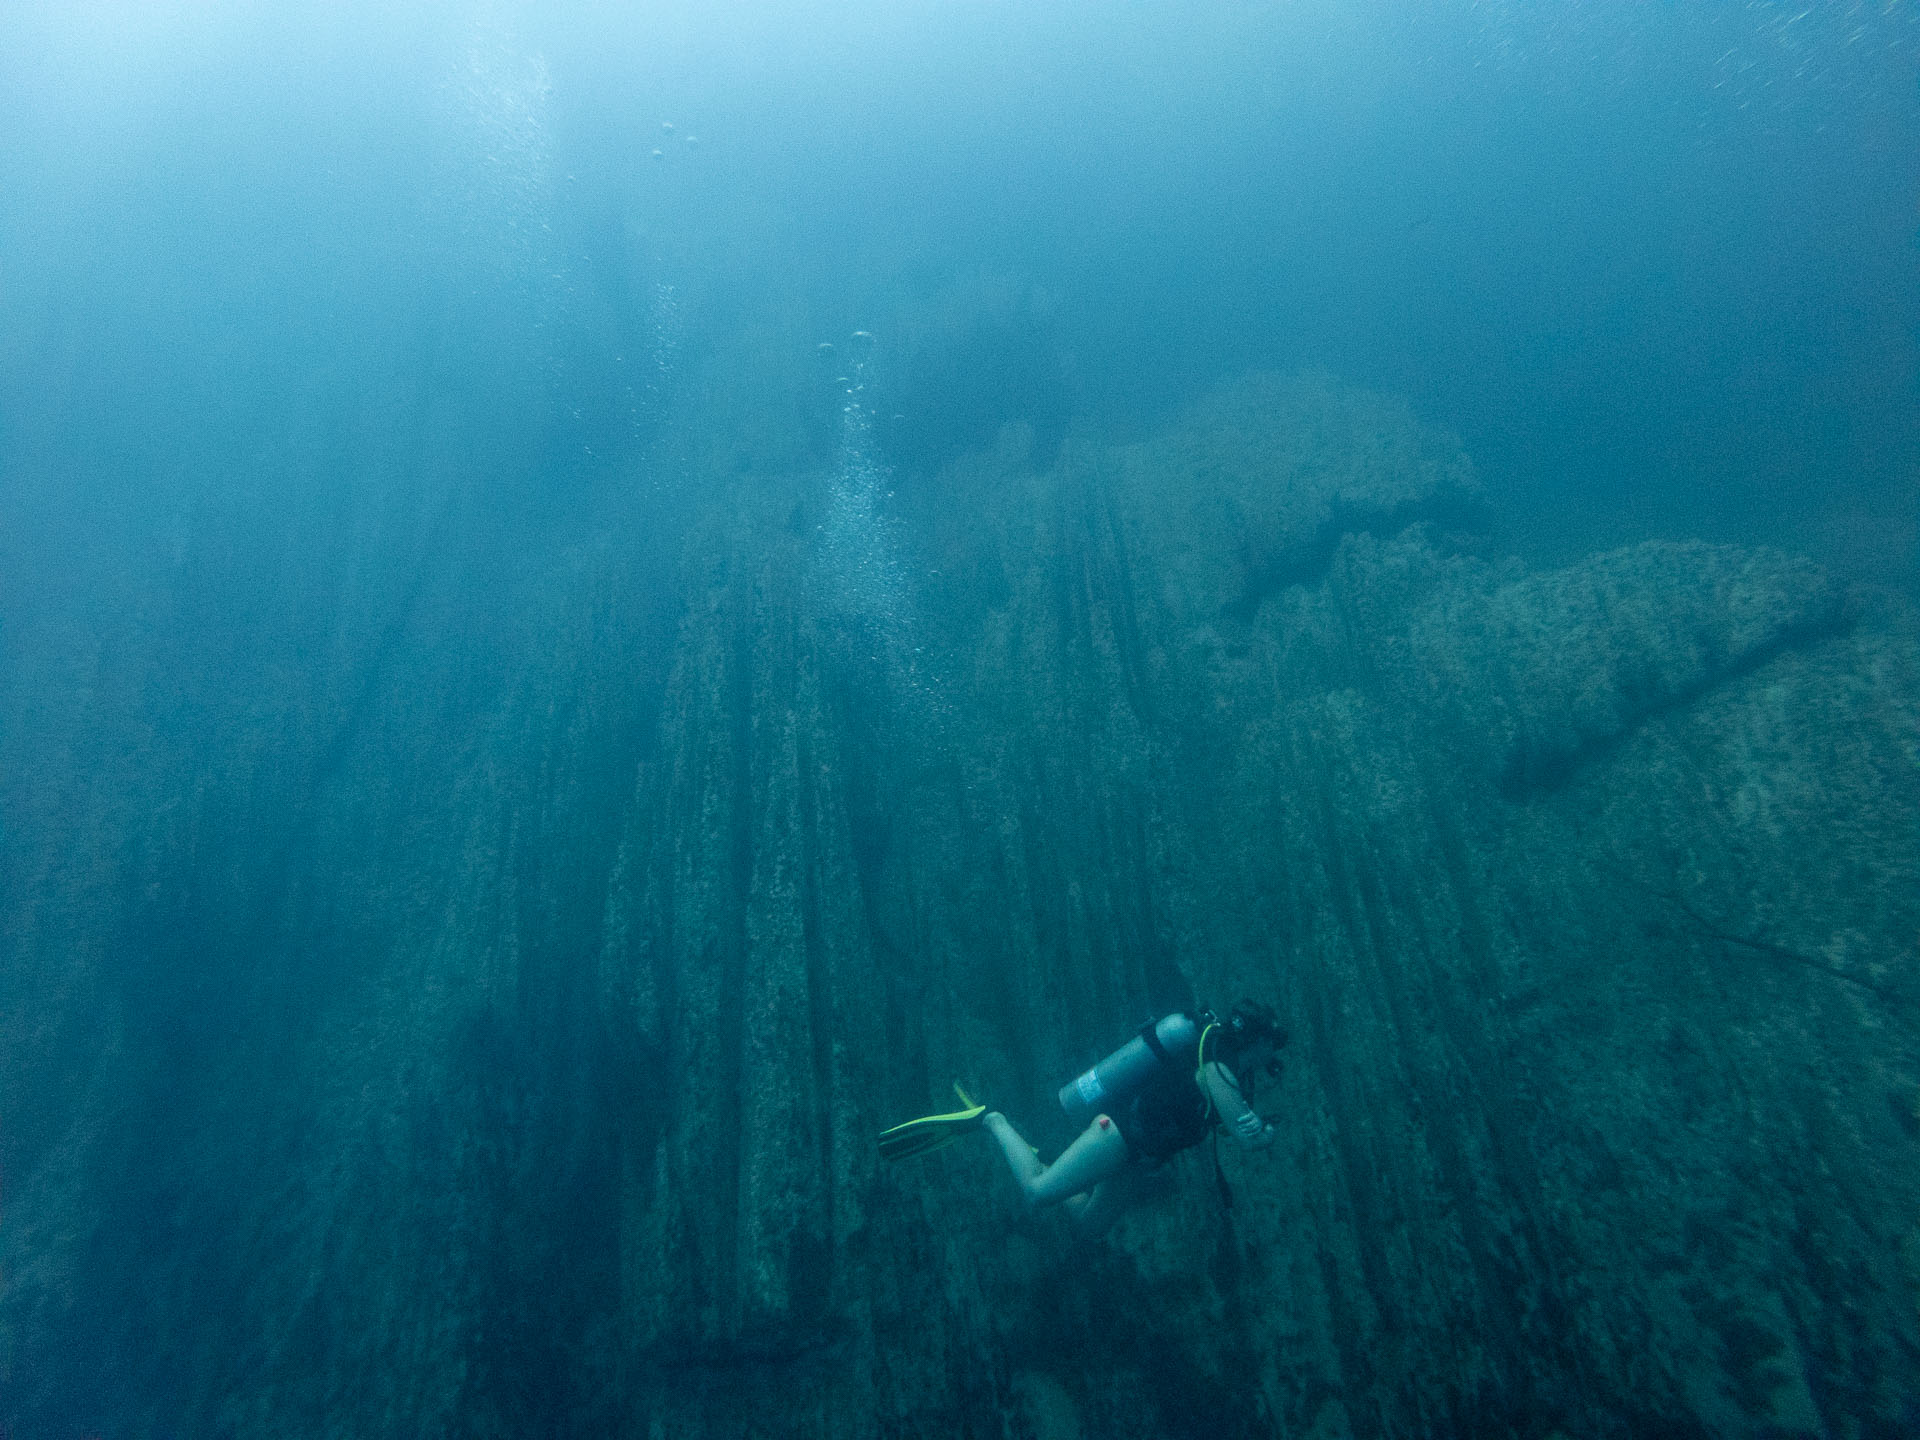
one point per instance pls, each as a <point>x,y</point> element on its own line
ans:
<point>1162,1092</point>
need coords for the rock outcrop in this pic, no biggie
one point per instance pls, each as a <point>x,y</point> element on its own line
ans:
<point>484,1031</point>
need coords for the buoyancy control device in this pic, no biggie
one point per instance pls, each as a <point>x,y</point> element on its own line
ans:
<point>1171,1042</point>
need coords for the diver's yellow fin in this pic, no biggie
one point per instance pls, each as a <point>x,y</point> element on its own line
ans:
<point>930,1132</point>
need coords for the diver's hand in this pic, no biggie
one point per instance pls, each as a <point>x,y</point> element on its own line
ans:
<point>1251,1130</point>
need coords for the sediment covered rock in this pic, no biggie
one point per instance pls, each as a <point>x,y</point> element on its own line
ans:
<point>1554,670</point>
<point>549,1017</point>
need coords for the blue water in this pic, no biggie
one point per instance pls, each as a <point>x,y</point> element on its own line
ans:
<point>1658,266</point>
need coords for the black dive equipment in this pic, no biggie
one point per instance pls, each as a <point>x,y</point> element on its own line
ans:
<point>1253,1039</point>
<point>1171,1042</point>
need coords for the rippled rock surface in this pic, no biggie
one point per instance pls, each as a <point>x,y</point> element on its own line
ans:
<point>469,1010</point>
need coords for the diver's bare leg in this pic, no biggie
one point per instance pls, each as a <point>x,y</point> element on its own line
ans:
<point>1021,1160</point>
<point>1097,1153</point>
<point>1101,1206</point>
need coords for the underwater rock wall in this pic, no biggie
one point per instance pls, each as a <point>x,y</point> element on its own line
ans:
<point>565,1007</point>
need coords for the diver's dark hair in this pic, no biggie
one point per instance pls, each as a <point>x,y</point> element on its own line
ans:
<point>1248,1027</point>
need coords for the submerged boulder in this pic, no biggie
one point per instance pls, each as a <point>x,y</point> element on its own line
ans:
<point>1547,672</point>
<point>1254,489</point>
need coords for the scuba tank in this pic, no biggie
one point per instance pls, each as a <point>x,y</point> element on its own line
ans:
<point>1171,1041</point>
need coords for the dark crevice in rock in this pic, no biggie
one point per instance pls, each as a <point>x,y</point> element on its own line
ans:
<point>1167,985</point>
<point>860,744</point>
<point>1308,561</point>
<point>818,964</point>
<point>1126,622</point>
<point>771,1343</point>
<point>736,682</point>
<point>1705,928</point>
<point>1535,767</point>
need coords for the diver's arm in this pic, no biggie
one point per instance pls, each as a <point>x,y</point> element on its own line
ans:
<point>1243,1122</point>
